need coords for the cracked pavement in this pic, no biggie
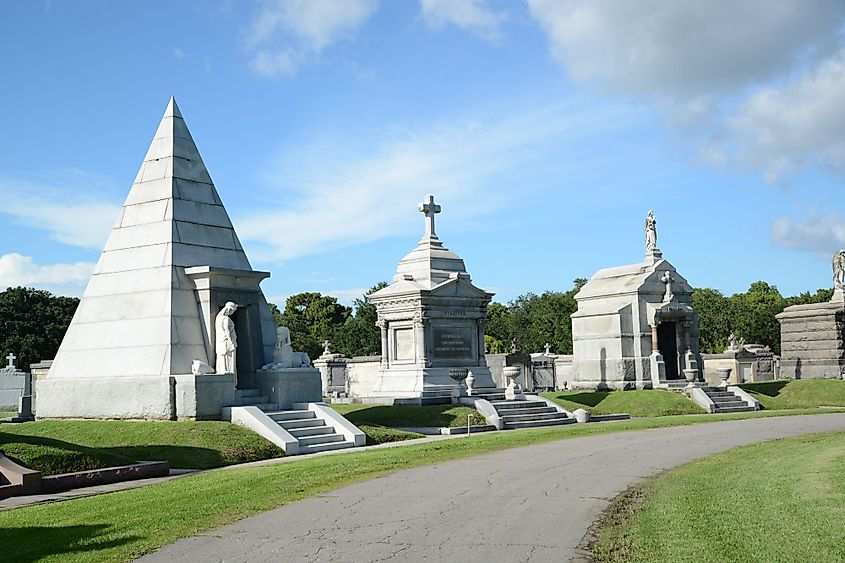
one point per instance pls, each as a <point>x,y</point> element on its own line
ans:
<point>534,503</point>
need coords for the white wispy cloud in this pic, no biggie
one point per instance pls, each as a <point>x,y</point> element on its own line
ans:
<point>472,15</point>
<point>179,53</point>
<point>330,201</point>
<point>284,33</point>
<point>818,233</point>
<point>74,207</point>
<point>749,81</point>
<point>782,129</point>
<point>63,279</point>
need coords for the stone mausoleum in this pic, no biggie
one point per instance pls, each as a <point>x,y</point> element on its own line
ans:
<point>635,326</point>
<point>812,336</point>
<point>147,317</point>
<point>432,320</point>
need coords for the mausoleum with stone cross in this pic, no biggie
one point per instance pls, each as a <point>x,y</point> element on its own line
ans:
<point>635,326</point>
<point>432,320</point>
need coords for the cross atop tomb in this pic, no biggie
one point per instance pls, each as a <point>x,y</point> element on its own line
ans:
<point>429,209</point>
<point>668,278</point>
<point>548,348</point>
<point>11,357</point>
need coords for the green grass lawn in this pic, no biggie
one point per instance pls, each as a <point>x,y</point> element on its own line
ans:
<point>798,393</point>
<point>398,416</point>
<point>60,446</point>
<point>645,403</point>
<point>775,501</point>
<point>127,524</point>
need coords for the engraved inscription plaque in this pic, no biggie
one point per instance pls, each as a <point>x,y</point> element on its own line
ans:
<point>403,343</point>
<point>453,342</point>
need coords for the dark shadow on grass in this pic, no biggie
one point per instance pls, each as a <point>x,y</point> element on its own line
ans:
<point>35,543</point>
<point>403,415</point>
<point>81,458</point>
<point>768,388</point>
<point>587,399</point>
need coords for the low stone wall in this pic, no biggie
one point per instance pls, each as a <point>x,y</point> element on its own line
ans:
<point>141,470</point>
<point>11,388</point>
<point>812,341</point>
<point>563,372</point>
<point>361,374</point>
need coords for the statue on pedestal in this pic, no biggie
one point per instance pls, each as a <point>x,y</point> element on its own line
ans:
<point>283,356</point>
<point>839,270</point>
<point>650,232</point>
<point>226,340</point>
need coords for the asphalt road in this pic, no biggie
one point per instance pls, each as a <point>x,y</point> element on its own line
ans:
<point>524,504</point>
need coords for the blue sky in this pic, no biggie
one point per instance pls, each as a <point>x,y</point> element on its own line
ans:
<point>545,129</point>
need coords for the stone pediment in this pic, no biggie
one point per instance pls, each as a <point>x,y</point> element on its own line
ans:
<point>642,278</point>
<point>459,286</point>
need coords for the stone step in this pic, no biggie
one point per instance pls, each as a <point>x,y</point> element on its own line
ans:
<point>301,423</point>
<point>730,399</point>
<point>324,447</point>
<point>312,431</point>
<point>537,423</point>
<point>719,394</point>
<point>742,408</point>
<point>529,417</point>
<point>541,409</point>
<point>520,404</point>
<point>266,407</point>
<point>322,439</point>
<point>291,415</point>
<point>253,400</point>
<point>244,393</point>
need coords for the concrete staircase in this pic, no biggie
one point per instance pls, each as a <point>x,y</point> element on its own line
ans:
<point>527,412</point>
<point>724,400</point>
<point>313,434</point>
<point>305,428</point>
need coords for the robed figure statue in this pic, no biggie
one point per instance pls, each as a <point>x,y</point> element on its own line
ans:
<point>226,344</point>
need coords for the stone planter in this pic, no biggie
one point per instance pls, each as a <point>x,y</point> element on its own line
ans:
<point>513,390</point>
<point>724,375</point>
<point>691,375</point>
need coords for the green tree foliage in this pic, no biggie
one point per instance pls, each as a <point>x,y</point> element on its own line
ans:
<point>33,323</point>
<point>533,320</point>
<point>714,319</point>
<point>312,318</point>
<point>749,315</point>
<point>359,335</point>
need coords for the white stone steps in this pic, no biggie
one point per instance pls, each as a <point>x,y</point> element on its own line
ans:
<point>321,439</point>
<point>542,409</point>
<point>301,423</point>
<point>533,417</point>
<point>291,415</point>
<point>536,423</point>
<point>508,405</point>
<point>324,447</point>
<point>312,431</point>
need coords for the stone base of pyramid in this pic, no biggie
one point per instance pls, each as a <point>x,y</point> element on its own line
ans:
<point>198,397</point>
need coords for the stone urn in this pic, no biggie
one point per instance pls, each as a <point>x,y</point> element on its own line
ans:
<point>513,390</point>
<point>690,374</point>
<point>470,381</point>
<point>458,375</point>
<point>582,415</point>
<point>724,375</point>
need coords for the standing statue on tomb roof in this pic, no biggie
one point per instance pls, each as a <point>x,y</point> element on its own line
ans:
<point>226,340</point>
<point>650,231</point>
<point>839,270</point>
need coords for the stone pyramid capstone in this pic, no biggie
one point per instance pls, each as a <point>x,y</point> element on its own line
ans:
<point>139,314</point>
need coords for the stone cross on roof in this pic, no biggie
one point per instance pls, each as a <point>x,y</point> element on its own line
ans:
<point>548,348</point>
<point>668,278</point>
<point>429,209</point>
<point>11,357</point>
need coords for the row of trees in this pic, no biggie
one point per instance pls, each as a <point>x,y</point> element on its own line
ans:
<point>33,322</point>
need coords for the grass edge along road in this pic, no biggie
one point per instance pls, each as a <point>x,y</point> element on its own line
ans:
<point>780,500</point>
<point>124,525</point>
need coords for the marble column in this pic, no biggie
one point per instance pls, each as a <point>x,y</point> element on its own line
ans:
<point>382,324</point>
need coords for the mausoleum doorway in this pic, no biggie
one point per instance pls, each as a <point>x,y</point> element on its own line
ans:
<point>667,343</point>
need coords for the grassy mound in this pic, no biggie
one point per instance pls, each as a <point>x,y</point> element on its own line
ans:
<point>60,446</point>
<point>646,403</point>
<point>796,485</point>
<point>399,416</point>
<point>798,393</point>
